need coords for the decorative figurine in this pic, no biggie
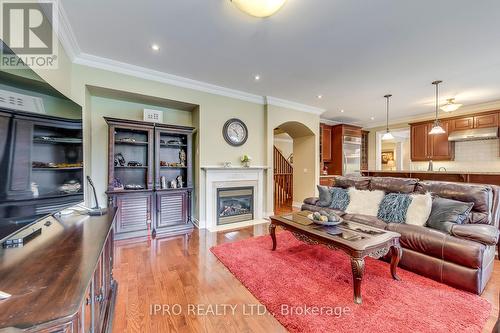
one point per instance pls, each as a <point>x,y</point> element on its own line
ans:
<point>119,159</point>
<point>173,184</point>
<point>163,182</point>
<point>117,184</point>
<point>179,181</point>
<point>134,164</point>
<point>182,157</point>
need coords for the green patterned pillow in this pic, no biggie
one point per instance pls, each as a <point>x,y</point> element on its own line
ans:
<point>393,207</point>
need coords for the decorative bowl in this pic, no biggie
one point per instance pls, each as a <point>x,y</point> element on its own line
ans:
<point>325,219</point>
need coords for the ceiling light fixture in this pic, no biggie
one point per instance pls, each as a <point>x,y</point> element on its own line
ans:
<point>436,128</point>
<point>342,111</point>
<point>259,8</point>
<point>372,118</point>
<point>387,135</point>
<point>155,47</point>
<point>320,96</point>
<point>257,77</point>
<point>451,105</point>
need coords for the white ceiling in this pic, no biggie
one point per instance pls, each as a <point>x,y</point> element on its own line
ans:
<point>350,51</point>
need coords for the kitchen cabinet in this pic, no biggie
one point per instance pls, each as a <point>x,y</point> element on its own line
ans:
<point>440,149</point>
<point>425,147</point>
<point>463,123</point>
<point>487,120</point>
<point>326,143</point>
<point>419,142</point>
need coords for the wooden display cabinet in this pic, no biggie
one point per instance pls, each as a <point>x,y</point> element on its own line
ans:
<point>161,204</point>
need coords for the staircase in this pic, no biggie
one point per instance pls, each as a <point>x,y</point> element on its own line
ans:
<point>283,181</point>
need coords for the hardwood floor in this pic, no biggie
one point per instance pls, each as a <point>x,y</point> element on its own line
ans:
<point>166,272</point>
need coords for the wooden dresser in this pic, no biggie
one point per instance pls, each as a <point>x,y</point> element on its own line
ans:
<point>62,280</point>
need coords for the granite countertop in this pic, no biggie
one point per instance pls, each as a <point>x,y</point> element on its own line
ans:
<point>449,172</point>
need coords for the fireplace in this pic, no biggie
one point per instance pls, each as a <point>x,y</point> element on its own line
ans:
<point>234,204</point>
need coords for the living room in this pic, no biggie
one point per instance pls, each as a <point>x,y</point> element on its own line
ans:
<point>237,165</point>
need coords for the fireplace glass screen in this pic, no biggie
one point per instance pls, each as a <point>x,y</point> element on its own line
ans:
<point>234,205</point>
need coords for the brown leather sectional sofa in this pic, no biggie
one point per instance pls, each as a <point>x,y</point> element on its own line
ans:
<point>464,258</point>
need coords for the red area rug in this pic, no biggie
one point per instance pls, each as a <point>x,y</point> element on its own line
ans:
<point>313,277</point>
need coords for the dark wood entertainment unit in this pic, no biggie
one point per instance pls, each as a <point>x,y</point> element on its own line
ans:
<point>62,280</point>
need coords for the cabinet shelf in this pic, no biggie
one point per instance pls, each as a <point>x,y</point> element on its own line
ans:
<point>58,141</point>
<point>167,145</point>
<point>132,143</point>
<point>173,167</point>
<point>57,169</point>
<point>131,167</point>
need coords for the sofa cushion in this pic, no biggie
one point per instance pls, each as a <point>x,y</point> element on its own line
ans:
<point>394,207</point>
<point>364,201</point>
<point>439,245</point>
<point>311,200</point>
<point>340,198</point>
<point>486,234</point>
<point>446,212</point>
<point>419,209</point>
<point>360,183</point>
<point>325,196</point>
<point>480,195</point>
<point>393,184</point>
<point>365,219</point>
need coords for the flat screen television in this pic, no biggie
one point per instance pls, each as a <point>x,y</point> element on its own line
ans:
<point>41,150</point>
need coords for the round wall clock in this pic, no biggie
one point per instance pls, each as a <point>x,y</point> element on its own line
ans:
<point>235,132</point>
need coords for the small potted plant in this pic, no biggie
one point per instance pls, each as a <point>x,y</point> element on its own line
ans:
<point>245,160</point>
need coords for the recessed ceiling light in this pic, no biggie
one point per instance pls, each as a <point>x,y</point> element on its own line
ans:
<point>342,111</point>
<point>320,96</point>
<point>155,47</point>
<point>257,77</point>
<point>372,118</point>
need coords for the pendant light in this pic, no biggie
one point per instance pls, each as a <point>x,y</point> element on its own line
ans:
<point>387,135</point>
<point>451,105</point>
<point>436,128</point>
<point>259,8</point>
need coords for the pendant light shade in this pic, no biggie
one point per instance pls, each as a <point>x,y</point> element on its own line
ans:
<point>451,105</point>
<point>436,128</point>
<point>387,135</point>
<point>259,8</point>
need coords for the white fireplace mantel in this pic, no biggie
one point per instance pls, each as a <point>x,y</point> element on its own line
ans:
<point>217,177</point>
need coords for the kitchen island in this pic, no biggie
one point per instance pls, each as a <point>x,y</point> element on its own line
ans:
<point>492,178</point>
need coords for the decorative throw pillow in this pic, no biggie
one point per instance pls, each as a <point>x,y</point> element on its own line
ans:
<point>446,213</point>
<point>325,196</point>
<point>364,202</point>
<point>419,209</point>
<point>340,198</point>
<point>393,207</point>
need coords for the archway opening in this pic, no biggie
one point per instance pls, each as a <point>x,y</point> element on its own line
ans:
<point>293,164</point>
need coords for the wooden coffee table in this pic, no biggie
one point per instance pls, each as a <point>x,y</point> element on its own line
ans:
<point>356,239</point>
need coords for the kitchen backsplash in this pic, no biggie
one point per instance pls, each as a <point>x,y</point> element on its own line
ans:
<point>469,156</point>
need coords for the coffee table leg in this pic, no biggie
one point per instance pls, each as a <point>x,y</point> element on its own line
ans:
<point>396,253</point>
<point>358,269</point>
<point>272,232</point>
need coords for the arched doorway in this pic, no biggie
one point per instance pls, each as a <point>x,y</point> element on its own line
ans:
<point>294,160</point>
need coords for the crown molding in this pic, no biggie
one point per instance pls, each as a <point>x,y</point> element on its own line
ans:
<point>154,75</point>
<point>66,35</point>
<point>465,110</point>
<point>293,105</point>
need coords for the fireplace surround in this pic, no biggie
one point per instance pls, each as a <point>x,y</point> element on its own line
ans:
<point>215,178</point>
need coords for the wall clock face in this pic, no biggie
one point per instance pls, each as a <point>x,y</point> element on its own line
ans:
<point>235,132</point>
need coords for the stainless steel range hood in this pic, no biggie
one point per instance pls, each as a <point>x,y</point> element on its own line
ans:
<point>474,134</point>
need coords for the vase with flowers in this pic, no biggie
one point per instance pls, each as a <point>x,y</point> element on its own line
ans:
<point>245,161</point>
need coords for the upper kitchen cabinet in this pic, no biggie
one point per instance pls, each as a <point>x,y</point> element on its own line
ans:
<point>486,120</point>
<point>426,147</point>
<point>440,149</point>
<point>326,143</point>
<point>463,123</point>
